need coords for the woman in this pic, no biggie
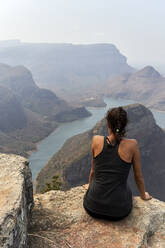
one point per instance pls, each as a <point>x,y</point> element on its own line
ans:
<point>108,195</point>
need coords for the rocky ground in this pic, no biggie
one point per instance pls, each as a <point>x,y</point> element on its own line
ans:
<point>59,220</point>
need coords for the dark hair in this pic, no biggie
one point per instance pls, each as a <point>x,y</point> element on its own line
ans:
<point>117,121</point>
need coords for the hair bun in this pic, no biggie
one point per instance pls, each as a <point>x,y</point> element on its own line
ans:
<point>117,121</point>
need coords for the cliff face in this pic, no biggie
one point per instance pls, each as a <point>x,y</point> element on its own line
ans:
<point>146,86</point>
<point>19,79</point>
<point>59,220</point>
<point>73,161</point>
<point>16,200</point>
<point>42,101</point>
<point>11,111</point>
<point>28,113</point>
<point>66,68</point>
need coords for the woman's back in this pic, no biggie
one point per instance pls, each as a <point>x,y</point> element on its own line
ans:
<point>109,193</point>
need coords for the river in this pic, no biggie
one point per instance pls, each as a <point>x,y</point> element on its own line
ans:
<point>52,143</point>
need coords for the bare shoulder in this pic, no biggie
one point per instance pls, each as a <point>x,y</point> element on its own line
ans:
<point>97,138</point>
<point>134,143</point>
<point>130,142</point>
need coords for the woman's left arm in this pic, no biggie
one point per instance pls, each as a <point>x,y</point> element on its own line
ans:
<point>92,165</point>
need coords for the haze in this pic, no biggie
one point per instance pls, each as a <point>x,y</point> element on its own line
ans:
<point>135,27</point>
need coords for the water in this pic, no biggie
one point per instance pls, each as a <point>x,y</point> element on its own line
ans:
<point>51,144</point>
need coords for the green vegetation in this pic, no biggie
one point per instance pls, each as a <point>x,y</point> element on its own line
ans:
<point>54,185</point>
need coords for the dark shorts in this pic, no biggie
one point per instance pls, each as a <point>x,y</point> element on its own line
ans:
<point>106,217</point>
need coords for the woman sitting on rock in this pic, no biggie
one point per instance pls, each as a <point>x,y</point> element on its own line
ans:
<point>108,195</point>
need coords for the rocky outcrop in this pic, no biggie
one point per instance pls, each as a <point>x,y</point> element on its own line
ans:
<point>73,161</point>
<point>16,200</point>
<point>20,81</point>
<point>146,86</point>
<point>59,220</point>
<point>28,113</point>
<point>73,114</point>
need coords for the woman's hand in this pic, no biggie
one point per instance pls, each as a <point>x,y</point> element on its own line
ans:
<point>86,186</point>
<point>146,197</point>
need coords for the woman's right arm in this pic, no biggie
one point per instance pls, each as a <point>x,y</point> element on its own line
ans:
<point>138,173</point>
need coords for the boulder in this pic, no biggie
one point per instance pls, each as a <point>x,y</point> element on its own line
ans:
<point>16,200</point>
<point>59,220</point>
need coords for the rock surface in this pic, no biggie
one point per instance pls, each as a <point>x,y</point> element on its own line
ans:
<point>16,200</point>
<point>59,220</point>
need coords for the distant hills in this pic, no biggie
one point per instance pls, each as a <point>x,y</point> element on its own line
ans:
<point>74,167</point>
<point>19,79</point>
<point>29,113</point>
<point>146,86</point>
<point>83,74</point>
<point>69,70</point>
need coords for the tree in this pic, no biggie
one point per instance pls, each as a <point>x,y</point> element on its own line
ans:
<point>54,185</point>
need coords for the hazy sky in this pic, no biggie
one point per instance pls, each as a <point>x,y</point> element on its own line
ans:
<point>136,27</point>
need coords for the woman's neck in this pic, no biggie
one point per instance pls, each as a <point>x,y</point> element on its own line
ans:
<point>112,139</point>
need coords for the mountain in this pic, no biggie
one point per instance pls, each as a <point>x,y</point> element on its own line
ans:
<point>11,111</point>
<point>78,73</point>
<point>146,86</point>
<point>148,72</point>
<point>29,113</point>
<point>69,70</point>
<point>21,129</point>
<point>74,167</point>
<point>19,79</point>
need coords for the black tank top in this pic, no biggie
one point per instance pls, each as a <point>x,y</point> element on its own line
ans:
<point>109,193</point>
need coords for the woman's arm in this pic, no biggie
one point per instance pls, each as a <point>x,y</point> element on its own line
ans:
<point>138,173</point>
<point>91,171</point>
<point>92,165</point>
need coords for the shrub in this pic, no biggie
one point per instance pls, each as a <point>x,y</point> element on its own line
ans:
<point>54,185</point>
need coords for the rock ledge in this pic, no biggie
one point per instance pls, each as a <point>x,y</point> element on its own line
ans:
<point>59,220</point>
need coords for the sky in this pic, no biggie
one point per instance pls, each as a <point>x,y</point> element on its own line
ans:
<point>136,27</point>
